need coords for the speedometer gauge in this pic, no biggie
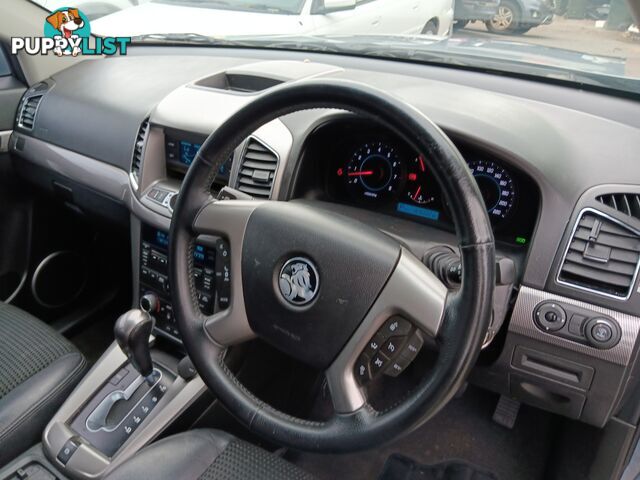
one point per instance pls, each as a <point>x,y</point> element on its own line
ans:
<point>496,187</point>
<point>373,171</point>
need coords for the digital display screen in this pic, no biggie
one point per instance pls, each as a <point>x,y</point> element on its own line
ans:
<point>162,239</point>
<point>199,253</point>
<point>416,211</point>
<point>188,152</point>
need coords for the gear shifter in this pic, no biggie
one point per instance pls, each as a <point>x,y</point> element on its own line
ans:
<point>132,331</point>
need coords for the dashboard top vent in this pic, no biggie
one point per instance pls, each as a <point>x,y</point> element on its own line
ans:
<point>603,256</point>
<point>138,148</point>
<point>27,113</point>
<point>257,169</point>
<point>627,203</point>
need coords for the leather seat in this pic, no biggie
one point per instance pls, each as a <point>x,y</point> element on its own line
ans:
<point>207,455</point>
<point>38,370</point>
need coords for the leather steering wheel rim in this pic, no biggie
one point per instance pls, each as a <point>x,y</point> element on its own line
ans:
<point>465,315</point>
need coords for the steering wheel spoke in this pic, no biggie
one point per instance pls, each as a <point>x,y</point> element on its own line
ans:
<point>410,306</point>
<point>227,219</point>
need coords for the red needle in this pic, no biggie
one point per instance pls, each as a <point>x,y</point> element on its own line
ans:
<point>421,163</point>
<point>360,174</point>
<point>415,197</point>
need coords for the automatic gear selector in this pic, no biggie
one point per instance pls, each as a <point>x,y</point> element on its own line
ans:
<point>132,332</point>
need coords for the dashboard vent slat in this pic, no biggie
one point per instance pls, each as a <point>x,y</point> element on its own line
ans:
<point>257,170</point>
<point>602,256</point>
<point>138,149</point>
<point>626,203</point>
<point>27,114</point>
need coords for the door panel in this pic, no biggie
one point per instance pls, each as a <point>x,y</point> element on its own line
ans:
<point>15,206</point>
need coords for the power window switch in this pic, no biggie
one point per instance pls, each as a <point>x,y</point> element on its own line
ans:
<point>67,451</point>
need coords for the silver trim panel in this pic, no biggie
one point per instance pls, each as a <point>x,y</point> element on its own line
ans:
<point>4,140</point>
<point>87,463</point>
<point>522,323</point>
<point>228,219</point>
<point>92,173</point>
<point>96,420</point>
<point>566,252</point>
<point>413,292</point>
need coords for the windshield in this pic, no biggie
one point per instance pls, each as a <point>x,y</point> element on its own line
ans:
<point>592,43</point>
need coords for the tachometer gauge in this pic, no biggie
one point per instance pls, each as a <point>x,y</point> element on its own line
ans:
<point>373,171</point>
<point>420,184</point>
<point>496,186</point>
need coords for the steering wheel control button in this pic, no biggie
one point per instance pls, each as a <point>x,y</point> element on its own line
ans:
<point>299,281</point>
<point>67,451</point>
<point>602,332</point>
<point>393,346</point>
<point>396,326</point>
<point>397,366</point>
<point>374,345</point>
<point>414,344</point>
<point>361,369</point>
<point>378,362</point>
<point>550,316</point>
<point>222,273</point>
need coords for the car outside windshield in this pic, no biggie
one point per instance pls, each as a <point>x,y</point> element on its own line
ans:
<point>587,43</point>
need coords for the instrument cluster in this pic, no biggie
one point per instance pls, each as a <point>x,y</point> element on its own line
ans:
<point>378,172</point>
<point>368,167</point>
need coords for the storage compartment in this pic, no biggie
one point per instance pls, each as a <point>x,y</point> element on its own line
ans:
<point>552,367</point>
<point>547,395</point>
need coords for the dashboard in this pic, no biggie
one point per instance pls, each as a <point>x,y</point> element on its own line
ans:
<point>355,162</point>
<point>555,167</point>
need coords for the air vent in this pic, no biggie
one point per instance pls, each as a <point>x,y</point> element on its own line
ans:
<point>257,170</point>
<point>602,257</point>
<point>27,114</point>
<point>627,203</point>
<point>138,147</point>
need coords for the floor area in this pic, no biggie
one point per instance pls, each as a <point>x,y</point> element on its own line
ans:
<point>464,430</point>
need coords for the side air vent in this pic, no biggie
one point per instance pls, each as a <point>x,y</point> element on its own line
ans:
<point>602,256</point>
<point>627,203</point>
<point>27,113</point>
<point>138,147</point>
<point>257,170</point>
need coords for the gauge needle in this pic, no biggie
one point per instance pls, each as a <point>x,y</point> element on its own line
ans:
<point>421,163</point>
<point>360,174</point>
<point>415,197</point>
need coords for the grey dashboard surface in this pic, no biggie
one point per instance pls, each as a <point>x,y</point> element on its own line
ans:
<point>567,140</point>
<point>97,106</point>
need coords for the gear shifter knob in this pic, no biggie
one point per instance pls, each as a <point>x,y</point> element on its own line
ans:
<point>132,332</point>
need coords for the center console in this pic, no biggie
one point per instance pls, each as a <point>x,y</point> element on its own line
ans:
<point>211,275</point>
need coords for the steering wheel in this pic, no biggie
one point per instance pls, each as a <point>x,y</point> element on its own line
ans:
<point>318,286</point>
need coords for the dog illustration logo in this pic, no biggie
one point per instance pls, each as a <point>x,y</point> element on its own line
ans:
<point>69,24</point>
<point>67,32</point>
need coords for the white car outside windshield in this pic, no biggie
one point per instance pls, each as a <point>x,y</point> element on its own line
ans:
<point>286,17</point>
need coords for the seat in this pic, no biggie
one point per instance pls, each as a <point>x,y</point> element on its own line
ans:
<point>38,370</point>
<point>207,455</point>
